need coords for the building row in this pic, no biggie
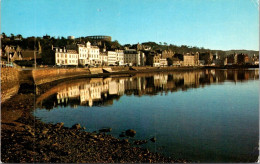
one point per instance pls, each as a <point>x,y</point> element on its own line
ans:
<point>91,55</point>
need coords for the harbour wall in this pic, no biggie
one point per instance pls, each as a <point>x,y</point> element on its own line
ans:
<point>41,76</point>
<point>9,82</point>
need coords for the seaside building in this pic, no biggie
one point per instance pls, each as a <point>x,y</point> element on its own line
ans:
<point>93,54</point>
<point>232,59</point>
<point>66,57</point>
<point>242,59</point>
<point>111,58</point>
<point>115,57</point>
<point>156,60</point>
<point>83,54</point>
<point>191,59</point>
<point>103,58</point>
<point>131,57</point>
<point>163,62</point>
<point>207,57</point>
<point>120,57</point>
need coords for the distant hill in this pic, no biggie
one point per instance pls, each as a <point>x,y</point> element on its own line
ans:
<point>249,52</point>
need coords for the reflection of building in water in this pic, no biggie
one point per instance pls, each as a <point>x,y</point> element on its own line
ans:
<point>191,78</point>
<point>92,90</point>
<point>116,87</point>
<point>70,92</point>
<point>98,91</point>
<point>160,80</point>
<point>134,83</point>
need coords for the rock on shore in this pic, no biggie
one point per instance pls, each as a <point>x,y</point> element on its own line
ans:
<point>26,139</point>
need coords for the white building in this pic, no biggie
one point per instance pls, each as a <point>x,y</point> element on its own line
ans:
<point>120,57</point>
<point>88,54</point>
<point>66,57</point>
<point>83,54</point>
<point>115,57</point>
<point>93,53</point>
<point>163,62</point>
<point>103,58</point>
<point>111,58</point>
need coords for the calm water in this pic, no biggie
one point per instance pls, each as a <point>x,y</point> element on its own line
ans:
<point>206,116</point>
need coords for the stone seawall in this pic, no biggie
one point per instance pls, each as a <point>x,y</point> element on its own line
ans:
<point>120,68</point>
<point>9,75</point>
<point>42,76</point>
<point>9,82</point>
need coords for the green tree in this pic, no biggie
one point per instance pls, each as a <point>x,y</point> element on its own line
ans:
<point>12,36</point>
<point>170,61</point>
<point>3,35</point>
<point>48,56</point>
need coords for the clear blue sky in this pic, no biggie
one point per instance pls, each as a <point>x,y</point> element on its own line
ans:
<point>214,24</point>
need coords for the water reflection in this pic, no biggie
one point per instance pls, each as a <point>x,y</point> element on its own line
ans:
<point>102,92</point>
<point>218,123</point>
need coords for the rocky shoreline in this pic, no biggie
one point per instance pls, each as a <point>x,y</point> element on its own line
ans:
<point>26,139</point>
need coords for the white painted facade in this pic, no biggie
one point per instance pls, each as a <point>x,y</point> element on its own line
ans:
<point>120,57</point>
<point>93,53</point>
<point>103,58</point>
<point>163,62</point>
<point>66,57</point>
<point>111,58</point>
<point>83,54</point>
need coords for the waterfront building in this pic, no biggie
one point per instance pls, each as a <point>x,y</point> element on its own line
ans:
<point>207,57</point>
<point>103,58</point>
<point>66,57</point>
<point>191,59</point>
<point>188,60</point>
<point>232,59</point>
<point>115,57</point>
<point>132,57</point>
<point>83,54</point>
<point>111,58</point>
<point>201,62</point>
<point>254,60</point>
<point>220,62</point>
<point>142,58</point>
<point>163,62</point>
<point>120,57</point>
<point>156,60</point>
<point>242,59</point>
<point>177,62</point>
<point>93,54</point>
